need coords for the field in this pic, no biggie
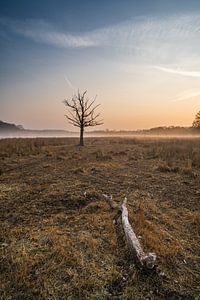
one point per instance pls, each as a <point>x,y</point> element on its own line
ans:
<point>57,236</point>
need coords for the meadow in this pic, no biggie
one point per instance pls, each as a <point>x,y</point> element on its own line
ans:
<point>57,236</point>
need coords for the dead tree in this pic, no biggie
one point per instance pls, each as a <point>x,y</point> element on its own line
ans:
<point>81,113</point>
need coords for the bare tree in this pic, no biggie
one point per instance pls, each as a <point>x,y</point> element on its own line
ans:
<point>81,113</point>
<point>196,122</point>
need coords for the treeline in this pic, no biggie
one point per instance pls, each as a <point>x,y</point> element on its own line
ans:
<point>10,127</point>
<point>161,130</point>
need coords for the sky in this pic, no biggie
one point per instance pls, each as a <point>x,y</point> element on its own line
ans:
<point>141,59</point>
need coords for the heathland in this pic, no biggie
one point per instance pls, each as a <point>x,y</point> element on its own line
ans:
<point>57,236</point>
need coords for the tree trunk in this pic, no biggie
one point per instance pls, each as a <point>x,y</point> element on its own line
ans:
<point>81,136</point>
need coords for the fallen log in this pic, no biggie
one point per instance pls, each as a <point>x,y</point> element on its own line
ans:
<point>146,260</point>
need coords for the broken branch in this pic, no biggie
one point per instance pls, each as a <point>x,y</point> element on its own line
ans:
<point>146,260</point>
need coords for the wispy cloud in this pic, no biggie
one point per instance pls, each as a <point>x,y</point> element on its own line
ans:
<point>186,95</point>
<point>40,31</point>
<point>70,83</point>
<point>179,72</point>
<point>156,40</point>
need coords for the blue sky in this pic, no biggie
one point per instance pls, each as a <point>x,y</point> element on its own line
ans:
<point>140,57</point>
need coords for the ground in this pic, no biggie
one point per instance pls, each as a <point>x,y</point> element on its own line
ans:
<point>57,235</point>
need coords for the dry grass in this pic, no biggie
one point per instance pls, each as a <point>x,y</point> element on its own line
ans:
<point>58,243</point>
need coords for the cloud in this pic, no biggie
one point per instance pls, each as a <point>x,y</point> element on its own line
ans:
<point>70,83</point>
<point>150,39</point>
<point>42,32</point>
<point>186,95</point>
<point>179,72</point>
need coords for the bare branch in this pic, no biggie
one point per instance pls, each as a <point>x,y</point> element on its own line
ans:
<point>91,112</point>
<point>73,120</point>
<point>81,112</point>
<point>76,125</point>
<point>88,107</point>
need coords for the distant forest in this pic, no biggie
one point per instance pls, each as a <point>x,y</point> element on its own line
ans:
<point>8,128</point>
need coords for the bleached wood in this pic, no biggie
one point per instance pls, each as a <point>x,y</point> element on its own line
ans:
<point>146,260</point>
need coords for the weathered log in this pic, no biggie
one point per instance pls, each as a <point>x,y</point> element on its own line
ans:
<point>146,260</point>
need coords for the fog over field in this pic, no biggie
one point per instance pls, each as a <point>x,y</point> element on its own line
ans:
<point>93,135</point>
